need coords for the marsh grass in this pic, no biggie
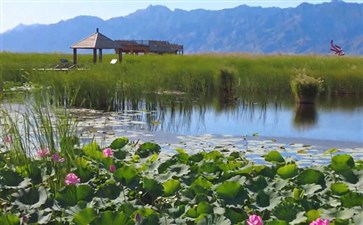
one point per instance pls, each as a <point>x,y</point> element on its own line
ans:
<point>37,125</point>
<point>197,76</point>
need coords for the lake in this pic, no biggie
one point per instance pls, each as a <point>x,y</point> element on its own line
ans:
<point>251,125</point>
<point>338,119</point>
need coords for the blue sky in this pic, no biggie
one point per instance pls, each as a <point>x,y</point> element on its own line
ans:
<point>14,12</point>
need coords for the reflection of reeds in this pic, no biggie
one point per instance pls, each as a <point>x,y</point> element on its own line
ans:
<point>305,116</point>
<point>103,85</point>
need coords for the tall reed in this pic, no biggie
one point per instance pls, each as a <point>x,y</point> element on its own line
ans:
<point>103,85</point>
<point>36,125</point>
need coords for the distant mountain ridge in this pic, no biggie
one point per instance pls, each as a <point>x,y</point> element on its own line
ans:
<point>306,29</point>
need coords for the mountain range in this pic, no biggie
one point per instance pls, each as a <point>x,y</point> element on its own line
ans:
<point>305,29</point>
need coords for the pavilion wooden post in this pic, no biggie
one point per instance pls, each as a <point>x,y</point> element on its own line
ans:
<point>100,55</point>
<point>120,55</point>
<point>94,55</point>
<point>75,56</point>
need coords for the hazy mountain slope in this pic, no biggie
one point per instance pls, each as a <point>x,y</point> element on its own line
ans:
<point>305,29</point>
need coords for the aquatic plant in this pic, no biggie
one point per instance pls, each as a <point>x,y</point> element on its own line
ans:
<point>320,221</point>
<point>43,152</point>
<point>107,152</point>
<point>306,88</point>
<point>216,187</point>
<point>72,179</point>
<point>38,128</point>
<point>254,220</point>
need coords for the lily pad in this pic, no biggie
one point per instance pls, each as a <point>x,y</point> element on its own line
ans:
<point>274,157</point>
<point>342,163</point>
<point>119,143</point>
<point>287,171</point>
<point>71,195</point>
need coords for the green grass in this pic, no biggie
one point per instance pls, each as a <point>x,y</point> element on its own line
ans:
<point>195,75</point>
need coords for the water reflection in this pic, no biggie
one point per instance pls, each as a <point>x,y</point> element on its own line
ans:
<point>339,118</point>
<point>305,117</point>
<point>243,116</point>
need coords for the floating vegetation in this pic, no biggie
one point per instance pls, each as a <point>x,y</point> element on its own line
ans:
<point>132,183</point>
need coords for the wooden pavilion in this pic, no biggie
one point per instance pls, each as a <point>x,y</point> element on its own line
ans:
<point>96,41</point>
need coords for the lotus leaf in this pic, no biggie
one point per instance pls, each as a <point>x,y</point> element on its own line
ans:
<point>257,183</point>
<point>148,216</point>
<point>287,171</point>
<point>147,149</point>
<point>171,186</point>
<point>235,215</point>
<point>108,190</point>
<point>85,216</point>
<point>10,178</point>
<point>262,199</point>
<point>93,150</point>
<point>119,143</point>
<point>341,163</point>
<point>351,199</point>
<point>9,219</point>
<point>212,219</point>
<point>153,187</point>
<point>109,217</point>
<point>31,197</point>
<point>127,175</point>
<point>71,195</point>
<point>313,215</point>
<point>310,176</point>
<point>213,155</point>
<point>277,222</point>
<point>232,192</point>
<point>339,188</point>
<point>274,157</point>
<point>287,211</point>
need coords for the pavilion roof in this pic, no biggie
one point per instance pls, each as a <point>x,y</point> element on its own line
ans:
<point>96,41</point>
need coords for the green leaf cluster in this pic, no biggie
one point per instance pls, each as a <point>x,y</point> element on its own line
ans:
<point>204,188</point>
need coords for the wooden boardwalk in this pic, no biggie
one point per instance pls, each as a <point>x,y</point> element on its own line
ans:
<point>63,66</point>
<point>149,46</point>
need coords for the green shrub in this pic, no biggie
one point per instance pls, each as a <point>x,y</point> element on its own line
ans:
<point>305,88</point>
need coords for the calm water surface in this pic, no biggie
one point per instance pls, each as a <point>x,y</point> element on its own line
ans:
<point>281,122</point>
<point>325,121</point>
<point>336,119</point>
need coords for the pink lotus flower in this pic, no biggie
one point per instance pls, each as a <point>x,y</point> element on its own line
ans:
<point>107,152</point>
<point>320,221</point>
<point>71,179</point>
<point>112,168</point>
<point>43,152</point>
<point>254,220</point>
<point>7,139</point>
<point>57,158</point>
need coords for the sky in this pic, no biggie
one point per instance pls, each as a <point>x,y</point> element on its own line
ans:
<point>15,12</point>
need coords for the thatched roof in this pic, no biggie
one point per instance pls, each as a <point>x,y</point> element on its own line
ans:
<point>96,41</point>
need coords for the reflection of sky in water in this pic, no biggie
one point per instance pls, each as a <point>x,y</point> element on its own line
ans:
<point>269,121</point>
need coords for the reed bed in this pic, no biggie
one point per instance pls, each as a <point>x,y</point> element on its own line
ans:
<point>101,85</point>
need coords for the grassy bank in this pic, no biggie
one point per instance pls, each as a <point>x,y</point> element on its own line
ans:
<point>194,75</point>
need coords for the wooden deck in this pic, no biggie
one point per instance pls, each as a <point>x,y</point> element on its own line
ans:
<point>149,46</point>
<point>58,69</point>
<point>63,66</point>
